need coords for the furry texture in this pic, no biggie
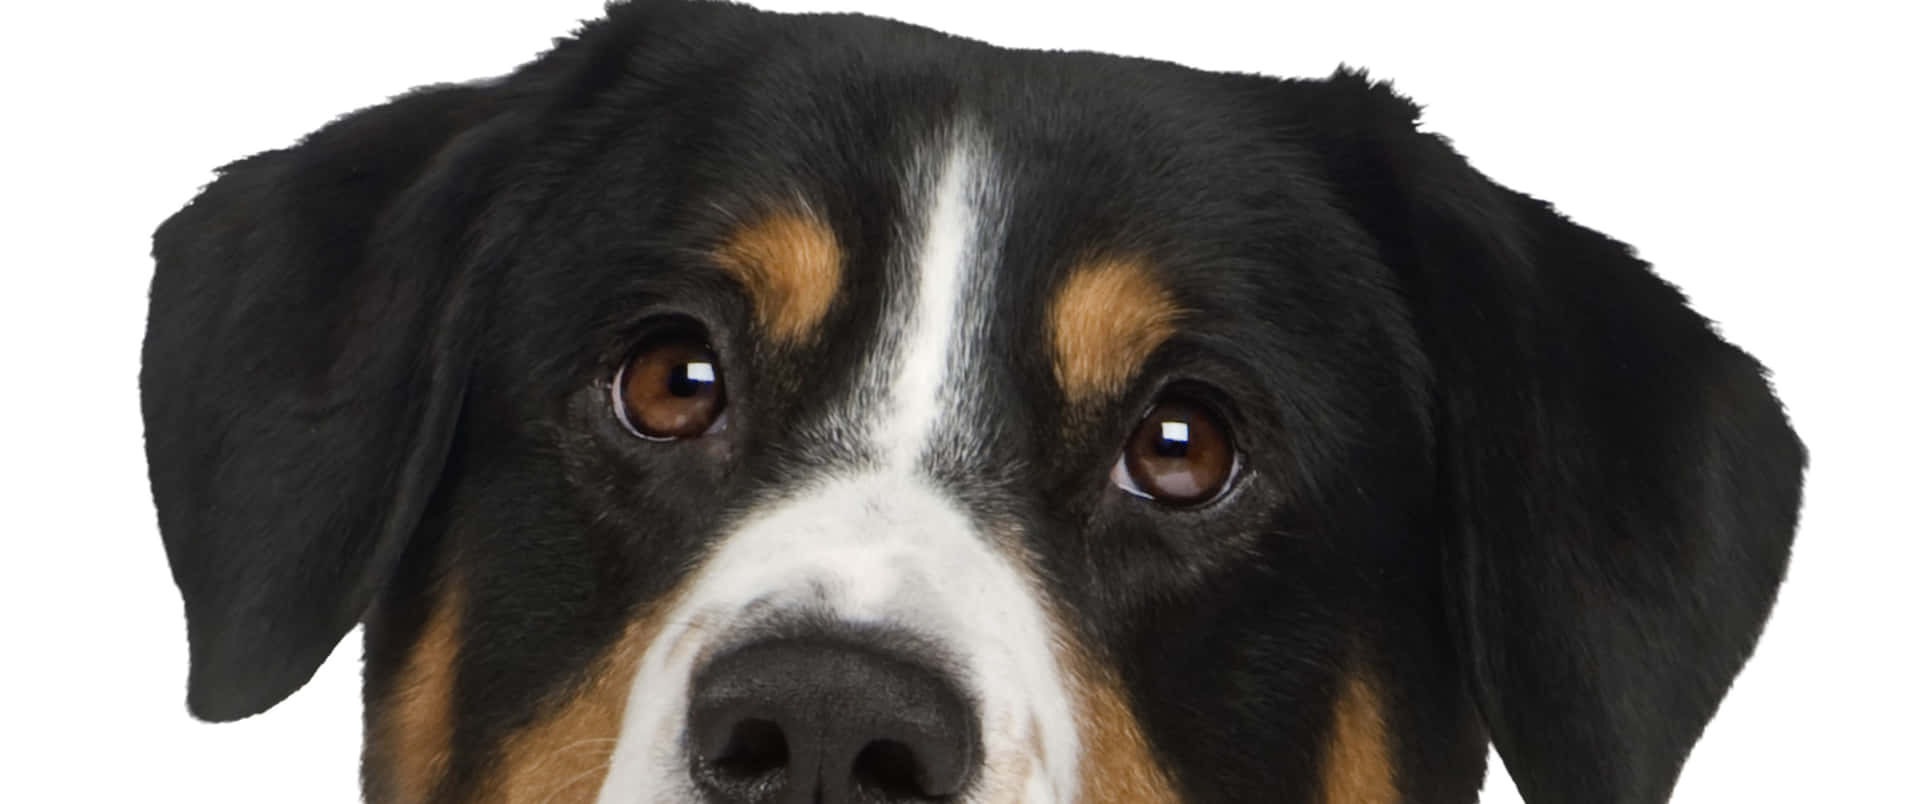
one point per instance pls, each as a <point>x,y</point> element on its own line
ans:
<point>1492,465</point>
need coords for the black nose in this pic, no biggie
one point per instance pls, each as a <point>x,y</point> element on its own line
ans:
<point>806,721</point>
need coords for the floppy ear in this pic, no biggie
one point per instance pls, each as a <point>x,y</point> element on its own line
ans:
<point>1620,484</point>
<point>307,346</point>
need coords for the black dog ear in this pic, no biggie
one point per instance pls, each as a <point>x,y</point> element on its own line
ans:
<point>311,327</point>
<point>1620,485</point>
<point>307,345</point>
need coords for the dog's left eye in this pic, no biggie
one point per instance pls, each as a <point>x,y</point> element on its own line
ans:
<point>1180,454</point>
<point>671,388</point>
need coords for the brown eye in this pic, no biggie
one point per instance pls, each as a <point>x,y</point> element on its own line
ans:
<point>670,388</point>
<point>1180,454</point>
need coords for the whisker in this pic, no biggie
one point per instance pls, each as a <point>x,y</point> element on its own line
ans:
<point>605,743</point>
<point>576,779</point>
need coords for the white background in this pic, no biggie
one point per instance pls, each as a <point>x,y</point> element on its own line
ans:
<point>1762,159</point>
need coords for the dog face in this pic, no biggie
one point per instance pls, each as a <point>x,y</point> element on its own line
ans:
<point>739,407</point>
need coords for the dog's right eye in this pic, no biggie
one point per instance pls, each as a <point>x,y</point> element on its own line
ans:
<point>671,388</point>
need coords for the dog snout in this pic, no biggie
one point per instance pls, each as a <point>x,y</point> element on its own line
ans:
<point>817,720</point>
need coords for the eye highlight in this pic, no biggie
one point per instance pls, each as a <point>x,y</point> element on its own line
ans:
<point>1180,454</point>
<point>671,388</point>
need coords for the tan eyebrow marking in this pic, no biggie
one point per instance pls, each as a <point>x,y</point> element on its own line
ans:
<point>1106,318</point>
<point>1355,766</point>
<point>789,262</point>
<point>411,736</point>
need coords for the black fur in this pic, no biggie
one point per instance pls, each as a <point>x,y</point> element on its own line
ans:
<point>1495,461</point>
<point>1619,484</point>
<point>303,370</point>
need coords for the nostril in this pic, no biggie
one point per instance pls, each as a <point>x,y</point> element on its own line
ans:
<point>740,760</point>
<point>755,749</point>
<point>889,769</point>
<point>828,722</point>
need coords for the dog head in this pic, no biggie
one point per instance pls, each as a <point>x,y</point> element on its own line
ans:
<point>740,407</point>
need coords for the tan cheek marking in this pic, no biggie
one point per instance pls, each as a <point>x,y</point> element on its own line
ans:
<point>1356,767</point>
<point>1116,764</point>
<point>412,735</point>
<point>789,263</point>
<point>564,755</point>
<point>1104,321</point>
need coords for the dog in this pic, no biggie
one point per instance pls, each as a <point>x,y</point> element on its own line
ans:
<point>737,407</point>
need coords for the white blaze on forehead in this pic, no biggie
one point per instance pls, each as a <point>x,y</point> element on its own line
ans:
<point>942,310</point>
<point>882,543</point>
